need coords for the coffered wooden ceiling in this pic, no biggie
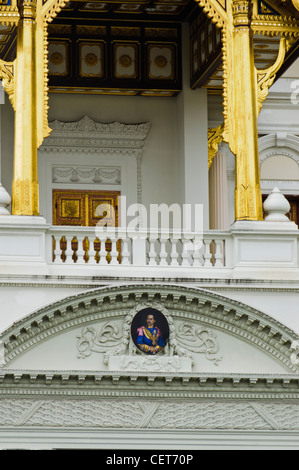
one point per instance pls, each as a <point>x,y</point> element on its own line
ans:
<point>134,47</point>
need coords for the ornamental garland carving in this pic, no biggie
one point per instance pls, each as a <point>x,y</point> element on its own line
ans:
<point>99,175</point>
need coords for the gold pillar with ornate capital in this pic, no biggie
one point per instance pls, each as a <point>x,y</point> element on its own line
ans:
<point>248,199</point>
<point>25,191</point>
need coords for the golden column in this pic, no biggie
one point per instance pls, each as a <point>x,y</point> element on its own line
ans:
<point>248,199</point>
<point>25,192</point>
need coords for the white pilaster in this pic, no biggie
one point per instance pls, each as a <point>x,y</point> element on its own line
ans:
<point>5,199</point>
<point>218,188</point>
<point>193,139</point>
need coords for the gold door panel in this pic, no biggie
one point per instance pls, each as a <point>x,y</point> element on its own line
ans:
<point>86,209</point>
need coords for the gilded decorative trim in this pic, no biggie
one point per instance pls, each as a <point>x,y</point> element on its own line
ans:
<point>9,14</point>
<point>215,136</point>
<point>46,129</point>
<point>215,11</point>
<point>26,197</point>
<point>51,8</point>
<point>8,81</point>
<point>265,78</point>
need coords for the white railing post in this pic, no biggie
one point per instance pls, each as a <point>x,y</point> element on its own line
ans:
<point>197,253</point>
<point>102,253</point>
<point>152,254</point>
<point>57,250</point>
<point>163,252</point>
<point>91,254</point>
<point>125,251</point>
<point>174,255</point>
<point>138,248</point>
<point>186,240</point>
<point>219,261</point>
<point>114,252</point>
<point>69,252</point>
<point>80,251</point>
<point>207,255</point>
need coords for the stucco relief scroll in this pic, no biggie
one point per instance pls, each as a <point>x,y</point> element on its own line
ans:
<point>169,345</point>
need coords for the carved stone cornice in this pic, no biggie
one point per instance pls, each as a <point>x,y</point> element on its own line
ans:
<point>59,383</point>
<point>215,311</point>
<point>96,135</point>
<point>89,136</point>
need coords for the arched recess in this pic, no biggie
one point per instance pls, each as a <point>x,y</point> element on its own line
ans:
<point>285,146</point>
<point>215,333</point>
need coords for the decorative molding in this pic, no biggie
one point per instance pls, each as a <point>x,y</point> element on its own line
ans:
<point>7,75</point>
<point>122,302</point>
<point>91,137</point>
<point>96,135</point>
<point>114,339</point>
<point>150,414</point>
<point>86,175</point>
<point>188,385</point>
<point>272,144</point>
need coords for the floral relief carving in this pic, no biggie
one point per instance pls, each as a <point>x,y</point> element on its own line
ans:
<point>90,340</point>
<point>199,340</point>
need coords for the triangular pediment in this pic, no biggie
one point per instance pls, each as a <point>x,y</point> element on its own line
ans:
<point>207,333</point>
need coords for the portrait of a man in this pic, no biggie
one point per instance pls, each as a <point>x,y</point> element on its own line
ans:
<point>150,331</point>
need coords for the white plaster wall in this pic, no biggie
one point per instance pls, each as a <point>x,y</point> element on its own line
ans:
<point>293,70</point>
<point>18,302</point>
<point>282,306</point>
<point>159,165</point>
<point>279,167</point>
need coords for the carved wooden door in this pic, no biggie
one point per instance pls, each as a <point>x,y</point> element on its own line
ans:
<point>86,209</point>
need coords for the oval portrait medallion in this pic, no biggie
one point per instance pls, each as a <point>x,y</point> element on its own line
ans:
<point>150,331</point>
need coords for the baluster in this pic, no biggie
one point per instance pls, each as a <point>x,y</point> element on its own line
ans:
<point>197,255</point>
<point>57,251</point>
<point>114,252</point>
<point>125,252</point>
<point>207,254</point>
<point>69,251</point>
<point>102,252</point>
<point>163,252</point>
<point>174,256</point>
<point>80,250</point>
<point>152,251</point>
<point>91,252</point>
<point>219,253</point>
<point>186,251</point>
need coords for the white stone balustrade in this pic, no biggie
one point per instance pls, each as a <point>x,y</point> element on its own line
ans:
<point>249,250</point>
<point>80,245</point>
